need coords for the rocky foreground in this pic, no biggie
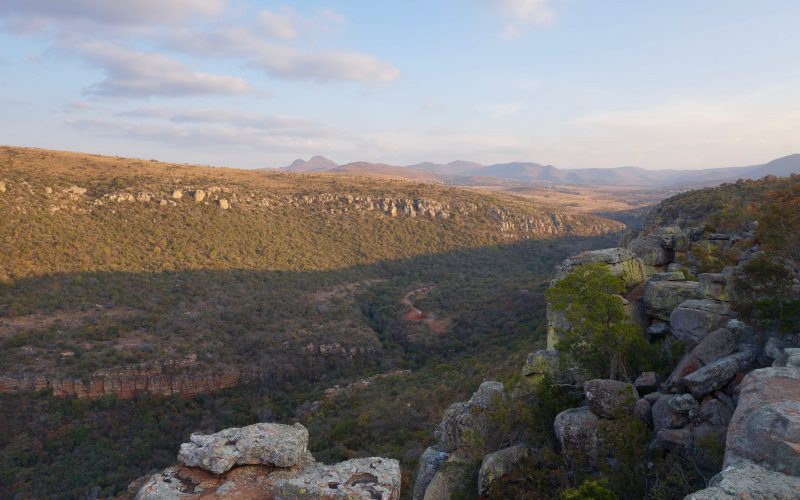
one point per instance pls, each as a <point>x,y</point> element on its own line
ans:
<point>266,460</point>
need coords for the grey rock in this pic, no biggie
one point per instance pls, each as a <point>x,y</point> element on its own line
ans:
<point>658,329</point>
<point>683,404</point>
<point>662,297</point>
<point>694,319</point>
<point>765,428</point>
<point>430,462</point>
<point>747,480</point>
<point>715,345</point>
<point>774,347</point>
<point>714,286</point>
<point>264,443</point>
<point>610,398</point>
<point>653,397</point>
<point>542,362</point>
<point>678,441</point>
<point>712,377</point>
<point>452,477</point>
<point>498,464</point>
<point>644,411</point>
<point>715,412</point>
<point>646,383</point>
<point>650,250</point>
<point>665,417</point>
<point>469,418</point>
<point>576,430</point>
<point>668,276</point>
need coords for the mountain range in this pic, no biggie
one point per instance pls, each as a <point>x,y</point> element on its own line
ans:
<point>473,174</point>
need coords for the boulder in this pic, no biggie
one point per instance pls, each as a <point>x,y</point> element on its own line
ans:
<point>430,462</point>
<point>576,430</point>
<point>790,358</point>
<point>644,410</point>
<point>653,397</point>
<point>199,195</point>
<point>542,362</point>
<point>714,286</point>
<point>268,444</point>
<point>662,297</point>
<point>678,441</point>
<point>177,194</point>
<point>610,398</point>
<point>357,478</point>
<point>747,480</point>
<point>454,476</point>
<point>774,347</point>
<point>671,412</point>
<point>715,375</point>
<point>765,428</point>
<point>688,364</point>
<point>667,276</point>
<point>650,250</point>
<point>646,383</point>
<point>498,464</point>
<point>469,419</point>
<point>694,319</point>
<point>715,345</point>
<point>620,261</point>
<point>657,329</point>
<point>715,412</point>
<point>224,204</point>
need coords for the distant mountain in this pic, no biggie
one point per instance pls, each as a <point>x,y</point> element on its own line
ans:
<point>315,164</point>
<point>468,173</point>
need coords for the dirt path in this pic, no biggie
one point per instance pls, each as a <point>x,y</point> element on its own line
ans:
<point>416,315</point>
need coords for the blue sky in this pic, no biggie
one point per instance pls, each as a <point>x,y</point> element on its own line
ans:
<point>573,83</point>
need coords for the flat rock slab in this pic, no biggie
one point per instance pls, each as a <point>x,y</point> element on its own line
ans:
<point>268,444</point>
<point>749,481</point>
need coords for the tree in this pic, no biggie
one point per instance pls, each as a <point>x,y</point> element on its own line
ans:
<point>600,337</point>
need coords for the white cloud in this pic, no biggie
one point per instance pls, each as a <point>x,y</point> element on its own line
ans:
<point>293,64</point>
<point>525,13</point>
<point>118,12</point>
<point>131,73</point>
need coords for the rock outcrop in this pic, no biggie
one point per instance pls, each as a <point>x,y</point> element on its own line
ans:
<point>262,447</point>
<point>747,480</point>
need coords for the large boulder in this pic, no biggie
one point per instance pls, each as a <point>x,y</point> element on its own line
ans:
<point>498,464</point>
<point>540,363</point>
<point>694,319</point>
<point>269,444</point>
<point>454,476</point>
<point>747,480</point>
<point>357,478</point>
<point>673,411</point>
<point>716,375</point>
<point>576,430</point>
<point>646,383</point>
<point>715,345</point>
<point>650,250</point>
<point>765,427</point>
<point>468,424</point>
<point>662,297</point>
<point>610,398</point>
<point>430,462</point>
<point>715,286</point>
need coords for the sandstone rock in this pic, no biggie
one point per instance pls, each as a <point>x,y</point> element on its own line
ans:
<point>610,398</point>
<point>765,427</point>
<point>269,444</point>
<point>223,204</point>
<point>430,462</point>
<point>711,377</point>
<point>498,464</point>
<point>48,190</point>
<point>359,478</point>
<point>688,364</point>
<point>469,419</point>
<point>715,412</point>
<point>621,261</point>
<point>489,393</point>
<point>714,286</point>
<point>143,197</point>
<point>667,276</point>
<point>576,430</point>
<point>646,383</point>
<point>177,194</point>
<point>77,190</point>
<point>662,297</point>
<point>2,187</point>
<point>665,416</point>
<point>199,195</point>
<point>457,472</point>
<point>747,480</point>
<point>678,441</point>
<point>694,319</point>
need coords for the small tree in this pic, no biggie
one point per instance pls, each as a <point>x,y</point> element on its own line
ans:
<point>600,337</point>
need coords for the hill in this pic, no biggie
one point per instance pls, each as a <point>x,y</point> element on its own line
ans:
<point>160,299</point>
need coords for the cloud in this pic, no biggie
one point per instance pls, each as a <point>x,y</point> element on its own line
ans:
<point>676,114</point>
<point>131,73</point>
<point>524,13</point>
<point>36,13</point>
<point>292,64</point>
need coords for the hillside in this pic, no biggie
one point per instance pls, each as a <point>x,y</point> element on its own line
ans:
<point>158,299</point>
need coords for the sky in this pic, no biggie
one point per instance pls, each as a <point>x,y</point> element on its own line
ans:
<point>573,83</point>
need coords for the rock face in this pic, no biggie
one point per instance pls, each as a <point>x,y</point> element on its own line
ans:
<point>469,419</point>
<point>496,465</point>
<point>267,444</point>
<point>455,474</point>
<point>694,319</point>
<point>429,464</point>
<point>749,481</point>
<point>264,447</point>
<point>543,362</point>
<point>610,398</point>
<point>765,427</point>
<point>712,377</point>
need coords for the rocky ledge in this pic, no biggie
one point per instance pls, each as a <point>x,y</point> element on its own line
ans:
<point>266,460</point>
